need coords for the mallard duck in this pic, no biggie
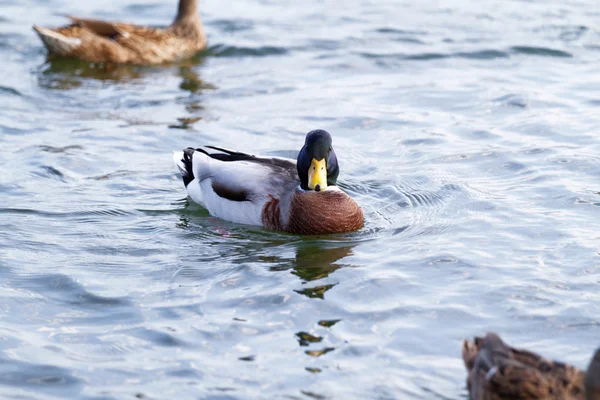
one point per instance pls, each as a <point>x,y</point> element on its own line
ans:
<point>498,371</point>
<point>115,42</point>
<point>280,194</point>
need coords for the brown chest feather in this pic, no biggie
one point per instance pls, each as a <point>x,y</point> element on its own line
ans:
<point>315,213</point>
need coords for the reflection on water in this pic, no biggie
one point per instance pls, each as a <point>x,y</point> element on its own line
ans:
<point>66,74</point>
<point>314,260</point>
<point>190,80</point>
<point>63,74</point>
<point>304,338</point>
<point>316,292</point>
<point>317,260</point>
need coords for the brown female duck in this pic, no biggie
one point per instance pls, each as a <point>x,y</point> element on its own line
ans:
<point>115,42</point>
<point>281,194</point>
<point>498,371</point>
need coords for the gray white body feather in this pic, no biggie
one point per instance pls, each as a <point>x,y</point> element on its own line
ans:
<point>236,186</point>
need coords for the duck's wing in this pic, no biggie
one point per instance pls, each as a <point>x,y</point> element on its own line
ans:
<point>277,168</point>
<point>124,33</point>
<point>494,373</point>
<point>563,377</point>
<point>236,176</point>
<point>100,27</point>
<point>276,163</point>
<point>236,186</point>
<point>514,381</point>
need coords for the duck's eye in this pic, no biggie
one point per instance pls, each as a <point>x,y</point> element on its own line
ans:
<point>330,149</point>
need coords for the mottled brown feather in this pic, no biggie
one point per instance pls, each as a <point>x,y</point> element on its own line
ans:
<point>117,42</point>
<point>271,214</point>
<point>102,28</point>
<point>315,213</point>
<point>498,371</point>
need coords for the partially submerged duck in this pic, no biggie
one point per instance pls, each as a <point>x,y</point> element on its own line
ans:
<point>116,42</point>
<point>299,197</point>
<point>498,371</point>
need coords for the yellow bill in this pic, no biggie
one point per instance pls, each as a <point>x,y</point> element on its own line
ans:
<point>317,175</point>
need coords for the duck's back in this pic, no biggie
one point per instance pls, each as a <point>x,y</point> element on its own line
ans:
<point>498,371</point>
<point>236,186</point>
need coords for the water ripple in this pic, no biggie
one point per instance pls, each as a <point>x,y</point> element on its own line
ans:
<point>50,378</point>
<point>222,50</point>
<point>64,289</point>
<point>540,51</point>
<point>10,91</point>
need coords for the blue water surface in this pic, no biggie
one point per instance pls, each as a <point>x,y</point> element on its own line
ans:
<point>468,131</point>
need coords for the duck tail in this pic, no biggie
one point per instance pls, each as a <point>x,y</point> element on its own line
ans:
<point>183,161</point>
<point>56,43</point>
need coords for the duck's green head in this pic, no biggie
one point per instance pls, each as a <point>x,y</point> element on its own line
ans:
<point>317,163</point>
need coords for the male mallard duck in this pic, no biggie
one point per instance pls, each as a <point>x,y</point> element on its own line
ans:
<point>277,193</point>
<point>498,371</point>
<point>101,41</point>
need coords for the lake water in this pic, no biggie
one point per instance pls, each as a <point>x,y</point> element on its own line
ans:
<point>468,132</point>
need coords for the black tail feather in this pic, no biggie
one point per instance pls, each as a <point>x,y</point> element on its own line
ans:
<point>188,176</point>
